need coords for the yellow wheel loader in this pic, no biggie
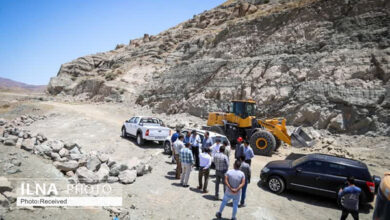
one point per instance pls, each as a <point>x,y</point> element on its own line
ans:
<point>264,136</point>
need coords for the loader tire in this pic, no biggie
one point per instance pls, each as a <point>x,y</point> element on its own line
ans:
<point>263,143</point>
<point>278,143</point>
<point>217,129</point>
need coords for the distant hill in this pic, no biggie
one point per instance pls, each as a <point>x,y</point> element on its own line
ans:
<point>11,85</point>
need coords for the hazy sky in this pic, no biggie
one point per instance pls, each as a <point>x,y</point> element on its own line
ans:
<point>37,36</point>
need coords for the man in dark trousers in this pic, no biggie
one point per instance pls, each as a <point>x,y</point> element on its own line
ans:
<point>246,169</point>
<point>350,199</point>
<point>195,142</point>
<point>239,151</point>
<point>221,162</point>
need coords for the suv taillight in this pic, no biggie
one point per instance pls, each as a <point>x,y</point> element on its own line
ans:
<point>147,134</point>
<point>371,186</point>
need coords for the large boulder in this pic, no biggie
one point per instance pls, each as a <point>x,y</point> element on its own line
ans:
<point>10,196</point>
<point>5,185</point>
<point>127,176</point>
<point>67,166</point>
<point>70,145</point>
<point>42,149</point>
<point>11,140</point>
<point>56,145</point>
<point>28,144</point>
<point>3,121</point>
<point>74,150</point>
<point>93,163</point>
<point>103,172</point>
<point>63,152</point>
<point>85,175</point>
<point>112,179</point>
<point>337,124</point>
<point>55,156</point>
<point>103,157</point>
<point>4,203</point>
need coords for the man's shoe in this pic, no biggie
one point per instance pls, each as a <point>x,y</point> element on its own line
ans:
<point>216,197</point>
<point>205,191</point>
<point>199,187</point>
<point>242,205</point>
<point>234,218</point>
<point>218,215</point>
<point>186,186</point>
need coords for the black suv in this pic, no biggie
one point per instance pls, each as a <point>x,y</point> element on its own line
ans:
<point>319,174</point>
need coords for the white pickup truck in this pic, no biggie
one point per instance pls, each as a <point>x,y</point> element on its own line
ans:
<point>145,129</point>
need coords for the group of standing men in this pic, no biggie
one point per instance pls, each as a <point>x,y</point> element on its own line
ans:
<point>190,150</point>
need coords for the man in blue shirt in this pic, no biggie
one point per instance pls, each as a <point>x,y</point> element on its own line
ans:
<point>187,138</point>
<point>173,139</point>
<point>248,152</point>
<point>207,142</point>
<point>175,136</point>
<point>350,199</point>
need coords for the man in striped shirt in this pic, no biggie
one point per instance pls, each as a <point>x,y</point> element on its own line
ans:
<point>187,160</point>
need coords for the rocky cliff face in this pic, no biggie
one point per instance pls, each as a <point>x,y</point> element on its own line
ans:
<point>320,63</point>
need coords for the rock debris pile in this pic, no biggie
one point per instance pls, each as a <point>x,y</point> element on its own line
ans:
<point>90,168</point>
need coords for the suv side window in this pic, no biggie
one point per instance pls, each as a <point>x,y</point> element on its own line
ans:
<point>136,120</point>
<point>336,169</point>
<point>313,166</point>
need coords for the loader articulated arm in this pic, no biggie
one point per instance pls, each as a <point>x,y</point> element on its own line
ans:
<point>277,126</point>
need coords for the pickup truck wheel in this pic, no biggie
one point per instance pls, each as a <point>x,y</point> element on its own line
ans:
<point>140,140</point>
<point>124,134</point>
<point>276,184</point>
<point>167,148</point>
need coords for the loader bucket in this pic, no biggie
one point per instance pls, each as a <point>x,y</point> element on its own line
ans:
<point>300,138</point>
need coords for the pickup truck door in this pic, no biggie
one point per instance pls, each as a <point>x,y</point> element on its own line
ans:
<point>128,125</point>
<point>134,126</point>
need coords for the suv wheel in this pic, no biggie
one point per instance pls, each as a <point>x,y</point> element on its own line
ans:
<point>276,184</point>
<point>140,141</point>
<point>124,133</point>
<point>167,148</point>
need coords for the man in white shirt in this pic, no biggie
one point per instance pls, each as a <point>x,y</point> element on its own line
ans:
<point>177,146</point>
<point>215,147</point>
<point>204,169</point>
<point>227,148</point>
<point>195,144</point>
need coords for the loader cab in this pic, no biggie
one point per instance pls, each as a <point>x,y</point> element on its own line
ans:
<point>243,109</point>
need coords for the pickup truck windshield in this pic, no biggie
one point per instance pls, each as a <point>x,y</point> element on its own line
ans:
<point>220,138</point>
<point>151,121</point>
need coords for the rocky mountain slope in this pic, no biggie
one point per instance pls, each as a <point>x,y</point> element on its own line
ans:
<point>320,63</point>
